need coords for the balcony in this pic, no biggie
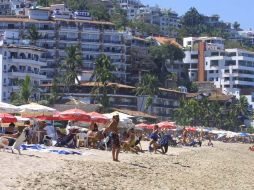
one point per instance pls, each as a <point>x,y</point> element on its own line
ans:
<point>112,42</point>
<point>23,74</point>
<point>69,28</point>
<point>91,40</point>
<point>26,61</point>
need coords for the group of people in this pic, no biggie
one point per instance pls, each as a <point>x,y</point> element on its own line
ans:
<point>109,137</point>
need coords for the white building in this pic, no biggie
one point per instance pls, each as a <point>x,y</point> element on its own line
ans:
<point>5,7</point>
<point>231,70</point>
<point>191,46</point>
<point>93,37</point>
<point>17,62</point>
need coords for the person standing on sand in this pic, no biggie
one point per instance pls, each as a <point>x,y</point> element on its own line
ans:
<point>115,141</point>
<point>185,133</point>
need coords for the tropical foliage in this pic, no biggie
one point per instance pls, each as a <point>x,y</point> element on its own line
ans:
<point>194,24</point>
<point>72,66</point>
<point>102,75</point>
<point>207,113</point>
<point>33,34</point>
<point>25,92</point>
<point>161,54</point>
<point>147,87</point>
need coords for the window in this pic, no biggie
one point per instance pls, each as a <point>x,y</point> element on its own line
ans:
<point>230,62</point>
<point>215,54</point>
<point>214,63</point>
<point>194,56</point>
<point>226,71</point>
<point>211,71</point>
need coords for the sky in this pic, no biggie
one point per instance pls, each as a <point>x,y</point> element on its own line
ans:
<point>241,11</point>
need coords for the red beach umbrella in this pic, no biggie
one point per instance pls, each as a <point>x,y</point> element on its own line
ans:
<point>167,125</point>
<point>191,129</point>
<point>7,118</point>
<point>151,126</point>
<point>55,117</point>
<point>76,115</point>
<point>141,125</point>
<point>98,118</point>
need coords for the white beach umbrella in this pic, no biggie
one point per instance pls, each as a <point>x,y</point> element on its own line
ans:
<point>34,110</point>
<point>125,119</point>
<point>8,108</point>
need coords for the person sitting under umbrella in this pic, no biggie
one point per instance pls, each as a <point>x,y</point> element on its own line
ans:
<point>10,129</point>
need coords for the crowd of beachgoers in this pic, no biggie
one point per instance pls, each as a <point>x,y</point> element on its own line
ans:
<point>111,137</point>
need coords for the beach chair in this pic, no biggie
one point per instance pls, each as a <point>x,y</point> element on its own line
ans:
<point>82,140</point>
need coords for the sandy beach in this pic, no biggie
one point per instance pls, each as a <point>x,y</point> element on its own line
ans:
<point>225,166</point>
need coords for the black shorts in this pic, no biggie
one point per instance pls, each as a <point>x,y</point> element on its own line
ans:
<point>115,141</point>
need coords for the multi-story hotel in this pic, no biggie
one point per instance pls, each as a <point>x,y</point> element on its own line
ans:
<point>94,38</point>
<point>229,69</point>
<point>17,62</point>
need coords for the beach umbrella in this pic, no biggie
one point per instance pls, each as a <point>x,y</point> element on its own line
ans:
<point>55,117</point>
<point>125,119</point>
<point>7,118</point>
<point>98,118</point>
<point>33,110</point>
<point>76,115</point>
<point>151,126</point>
<point>167,125</point>
<point>191,129</point>
<point>8,108</point>
<point>141,125</point>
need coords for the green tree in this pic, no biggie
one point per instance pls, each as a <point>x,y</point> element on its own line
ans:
<point>236,26</point>
<point>102,75</point>
<point>144,28</point>
<point>25,92</point>
<point>119,18</point>
<point>192,22</point>
<point>163,53</point>
<point>148,86</point>
<point>72,65</point>
<point>99,12</point>
<point>33,34</point>
<point>53,93</point>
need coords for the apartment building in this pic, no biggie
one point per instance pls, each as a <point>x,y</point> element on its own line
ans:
<point>164,103</point>
<point>229,69</point>
<point>131,7</point>
<point>17,62</point>
<point>15,7</point>
<point>232,70</point>
<point>5,7</point>
<point>94,38</point>
<point>194,53</point>
<point>167,20</point>
<point>120,96</point>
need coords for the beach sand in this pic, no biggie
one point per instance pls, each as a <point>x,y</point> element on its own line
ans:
<point>225,166</point>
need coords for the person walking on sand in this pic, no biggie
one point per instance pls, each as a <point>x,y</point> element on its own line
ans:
<point>115,141</point>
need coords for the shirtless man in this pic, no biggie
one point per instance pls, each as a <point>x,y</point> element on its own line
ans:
<point>115,141</point>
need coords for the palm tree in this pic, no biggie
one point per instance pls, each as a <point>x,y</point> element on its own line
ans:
<point>148,86</point>
<point>72,65</point>
<point>25,92</point>
<point>33,34</point>
<point>102,76</point>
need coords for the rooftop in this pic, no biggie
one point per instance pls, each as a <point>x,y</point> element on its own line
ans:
<point>25,47</point>
<point>167,41</point>
<point>135,113</point>
<point>117,85</point>
<point>26,19</point>
<point>170,90</point>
